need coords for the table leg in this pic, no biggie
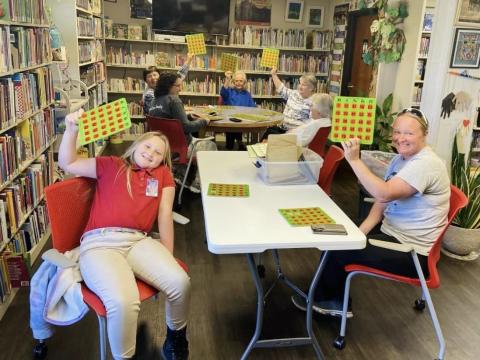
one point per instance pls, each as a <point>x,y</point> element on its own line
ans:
<point>311,293</point>
<point>260,302</point>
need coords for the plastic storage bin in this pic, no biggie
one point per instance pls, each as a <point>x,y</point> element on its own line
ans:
<point>377,161</point>
<point>303,172</point>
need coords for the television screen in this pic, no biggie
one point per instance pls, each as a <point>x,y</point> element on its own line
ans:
<point>191,16</point>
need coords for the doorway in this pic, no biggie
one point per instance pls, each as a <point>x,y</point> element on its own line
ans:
<point>356,74</point>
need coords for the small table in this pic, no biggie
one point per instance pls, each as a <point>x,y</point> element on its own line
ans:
<point>249,225</point>
<point>220,121</point>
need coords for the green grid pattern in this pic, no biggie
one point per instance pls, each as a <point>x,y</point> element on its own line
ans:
<point>306,216</point>
<point>230,190</point>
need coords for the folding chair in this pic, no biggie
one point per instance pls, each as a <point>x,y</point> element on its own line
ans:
<point>173,130</point>
<point>329,168</point>
<point>458,200</point>
<point>320,140</point>
<point>68,204</point>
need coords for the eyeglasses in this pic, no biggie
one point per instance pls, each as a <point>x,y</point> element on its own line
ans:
<point>418,115</point>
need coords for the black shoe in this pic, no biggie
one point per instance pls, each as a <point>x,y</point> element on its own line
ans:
<point>175,346</point>
<point>330,308</point>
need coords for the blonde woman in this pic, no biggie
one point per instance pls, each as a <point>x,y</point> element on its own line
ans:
<point>132,192</point>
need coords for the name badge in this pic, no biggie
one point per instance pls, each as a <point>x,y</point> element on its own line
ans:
<point>152,187</point>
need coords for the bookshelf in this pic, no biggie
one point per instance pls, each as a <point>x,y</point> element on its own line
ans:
<point>83,76</point>
<point>127,57</point>
<point>26,136</point>
<point>422,56</point>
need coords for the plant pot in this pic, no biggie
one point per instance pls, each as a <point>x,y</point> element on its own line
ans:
<point>461,243</point>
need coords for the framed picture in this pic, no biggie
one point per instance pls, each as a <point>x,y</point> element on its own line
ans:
<point>315,16</point>
<point>294,11</point>
<point>114,1</point>
<point>257,13</point>
<point>466,49</point>
<point>468,13</point>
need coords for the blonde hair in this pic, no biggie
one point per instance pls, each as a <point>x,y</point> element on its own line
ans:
<point>322,103</point>
<point>128,160</point>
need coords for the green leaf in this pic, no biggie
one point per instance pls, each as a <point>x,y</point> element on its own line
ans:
<point>402,10</point>
<point>387,104</point>
<point>393,12</point>
<point>367,58</point>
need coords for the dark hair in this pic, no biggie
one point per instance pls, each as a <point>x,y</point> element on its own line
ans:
<point>165,83</point>
<point>150,70</point>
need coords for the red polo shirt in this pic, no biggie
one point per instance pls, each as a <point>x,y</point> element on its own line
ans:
<point>113,206</point>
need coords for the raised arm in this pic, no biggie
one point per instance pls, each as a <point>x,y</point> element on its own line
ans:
<point>165,218</point>
<point>227,82</point>
<point>68,158</point>
<point>276,80</point>
<point>183,72</point>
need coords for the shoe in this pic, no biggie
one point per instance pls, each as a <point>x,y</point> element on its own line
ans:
<point>326,307</point>
<point>175,346</point>
<point>195,187</point>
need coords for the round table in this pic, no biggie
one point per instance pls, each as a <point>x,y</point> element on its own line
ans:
<point>254,120</point>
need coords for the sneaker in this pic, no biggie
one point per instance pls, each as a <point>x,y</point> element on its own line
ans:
<point>195,187</point>
<point>175,346</point>
<point>326,307</point>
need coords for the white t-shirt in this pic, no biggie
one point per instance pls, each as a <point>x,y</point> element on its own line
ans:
<point>306,132</point>
<point>419,219</point>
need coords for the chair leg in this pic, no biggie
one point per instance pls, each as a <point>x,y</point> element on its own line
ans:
<point>102,333</point>
<point>339,342</point>
<point>431,309</point>
<point>184,180</point>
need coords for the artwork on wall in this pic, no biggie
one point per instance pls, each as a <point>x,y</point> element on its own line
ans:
<point>466,49</point>
<point>114,1</point>
<point>315,16</point>
<point>294,11</point>
<point>253,12</point>
<point>468,13</point>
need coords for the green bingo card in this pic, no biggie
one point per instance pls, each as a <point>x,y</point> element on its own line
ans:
<point>306,216</point>
<point>234,190</point>
<point>353,117</point>
<point>103,121</point>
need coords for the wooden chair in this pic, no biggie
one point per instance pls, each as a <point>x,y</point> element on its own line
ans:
<point>329,168</point>
<point>68,204</point>
<point>458,200</point>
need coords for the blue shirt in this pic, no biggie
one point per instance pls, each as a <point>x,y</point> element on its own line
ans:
<point>231,96</point>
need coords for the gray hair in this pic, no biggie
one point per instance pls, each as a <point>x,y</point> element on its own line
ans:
<point>322,103</point>
<point>242,74</point>
<point>310,79</point>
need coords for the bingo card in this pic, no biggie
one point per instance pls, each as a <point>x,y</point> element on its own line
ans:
<point>104,121</point>
<point>353,117</point>
<point>269,58</point>
<point>196,44</point>
<point>306,216</point>
<point>228,62</point>
<point>233,190</point>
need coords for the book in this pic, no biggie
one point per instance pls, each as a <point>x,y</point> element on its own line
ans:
<point>108,23</point>
<point>4,10</point>
<point>134,32</point>
<point>18,271</point>
<point>120,31</point>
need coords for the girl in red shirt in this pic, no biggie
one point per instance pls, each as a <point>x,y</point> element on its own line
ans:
<point>132,192</point>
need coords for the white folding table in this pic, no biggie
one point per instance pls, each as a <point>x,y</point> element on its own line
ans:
<point>249,225</point>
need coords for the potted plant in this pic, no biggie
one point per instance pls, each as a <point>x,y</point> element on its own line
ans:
<point>462,238</point>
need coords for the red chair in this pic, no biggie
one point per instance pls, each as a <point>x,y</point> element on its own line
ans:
<point>173,130</point>
<point>68,204</point>
<point>329,168</point>
<point>320,140</point>
<point>220,101</point>
<point>458,200</point>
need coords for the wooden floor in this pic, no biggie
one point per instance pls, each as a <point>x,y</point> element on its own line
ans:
<point>223,308</point>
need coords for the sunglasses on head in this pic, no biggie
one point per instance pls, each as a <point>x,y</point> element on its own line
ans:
<point>418,115</point>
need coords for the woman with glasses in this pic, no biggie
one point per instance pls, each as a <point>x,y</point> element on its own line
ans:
<point>168,105</point>
<point>411,207</point>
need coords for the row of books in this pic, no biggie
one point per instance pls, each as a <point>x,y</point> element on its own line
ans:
<point>91,50</point>
<point>319,39</point>
<point>97,95</point>
<point>22,195</point>
<point>97,24</point>
<point>85,26</point>
<point>135,108</point>
<point>270,105</point>
<point>93,74</point>
<point>23,93</point>
<point>24,143</point>
<point>267,37</point>
<point>137,129</point>
<point>30,11</point>
<point>22,47</point>
<point>126,84</point>
<point>420,70</point>
<point>424,46</point>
